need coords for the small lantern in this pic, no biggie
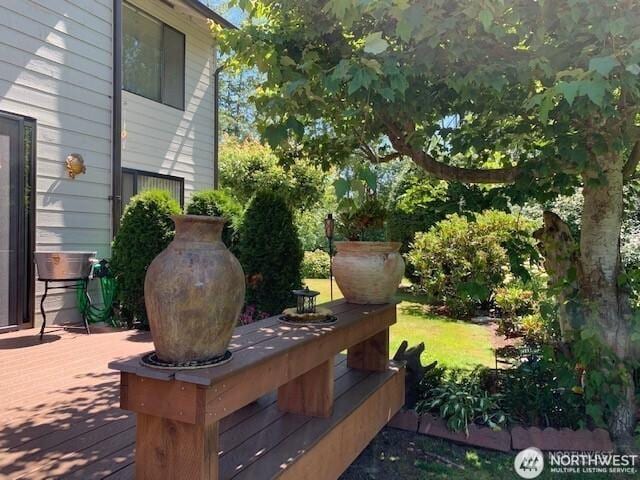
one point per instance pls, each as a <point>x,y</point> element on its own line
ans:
<point>329,225</point>
<point>305,300</point>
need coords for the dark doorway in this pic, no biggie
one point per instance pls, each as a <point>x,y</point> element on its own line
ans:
<point>17,220</point>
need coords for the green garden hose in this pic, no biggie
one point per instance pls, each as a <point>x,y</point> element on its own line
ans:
<point>102,313</point>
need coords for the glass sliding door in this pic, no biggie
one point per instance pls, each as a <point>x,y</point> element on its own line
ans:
<point>17,168</point>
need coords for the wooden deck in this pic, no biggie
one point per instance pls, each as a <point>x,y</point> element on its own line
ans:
<point>61,417</point>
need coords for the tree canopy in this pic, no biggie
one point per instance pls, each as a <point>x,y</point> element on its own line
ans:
<point>475,91</point>
<point>247,166</point>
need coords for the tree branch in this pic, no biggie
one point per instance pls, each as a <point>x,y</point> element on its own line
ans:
<point>375,158</point>
<point>629,169</point>
<point>464,175</point>
<point>448,172</point>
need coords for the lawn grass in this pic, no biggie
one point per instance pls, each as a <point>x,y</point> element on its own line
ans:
<point>453,343</point>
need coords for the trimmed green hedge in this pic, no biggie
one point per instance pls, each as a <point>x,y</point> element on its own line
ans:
<point>145,230</point>
<point>219,203</point>
<point>270,253</point>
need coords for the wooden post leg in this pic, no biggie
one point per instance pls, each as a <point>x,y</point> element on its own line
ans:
<point>372,354</point>
<point>309,394</point>
<point>174,450</point>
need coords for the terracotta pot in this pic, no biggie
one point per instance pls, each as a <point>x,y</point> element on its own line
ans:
<point>194,291</point>
<point>368,272</point>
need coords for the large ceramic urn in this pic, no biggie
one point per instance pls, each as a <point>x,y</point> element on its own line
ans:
<point>368,272</point>
<point>194,291</point>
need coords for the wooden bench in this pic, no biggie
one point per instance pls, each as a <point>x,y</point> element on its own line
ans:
<point>316,409</point>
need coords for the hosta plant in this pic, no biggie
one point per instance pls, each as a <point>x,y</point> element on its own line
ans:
<point>461,401</point>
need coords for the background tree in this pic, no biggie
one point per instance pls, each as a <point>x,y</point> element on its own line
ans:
<point>247,166</point>
<point>539,96</point>
<point>237,114</point>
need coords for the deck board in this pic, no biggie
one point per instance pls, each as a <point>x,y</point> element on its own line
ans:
<point>60,415</point>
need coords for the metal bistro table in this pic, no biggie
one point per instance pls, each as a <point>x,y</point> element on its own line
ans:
<point>70,269</point>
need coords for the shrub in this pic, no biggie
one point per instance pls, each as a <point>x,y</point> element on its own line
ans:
<point>219,203</point>
<point>145,230</point>
<point>542,392</point>
<point>461,401</point>
<point>270,253</point>
<point>315,264</point>
<point>514,300</point>
<point>417,202</point>
<point>534,329</point>
<point>461,262</point>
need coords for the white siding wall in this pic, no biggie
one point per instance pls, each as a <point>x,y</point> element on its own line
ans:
<point>56,66</point>
<point>166,140</point>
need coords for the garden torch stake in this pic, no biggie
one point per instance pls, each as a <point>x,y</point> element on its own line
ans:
<point>328,231</point>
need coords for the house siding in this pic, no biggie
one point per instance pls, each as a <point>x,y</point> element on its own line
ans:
<point>162,139</point>
<point>56,66</point>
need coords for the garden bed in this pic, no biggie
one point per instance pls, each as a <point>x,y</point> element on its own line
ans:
<point>516,438</point>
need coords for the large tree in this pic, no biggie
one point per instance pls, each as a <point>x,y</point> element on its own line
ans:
<point>537,95</point>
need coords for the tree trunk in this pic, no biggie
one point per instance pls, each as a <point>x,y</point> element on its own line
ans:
<point>560,252</point>
<point>605,303</point>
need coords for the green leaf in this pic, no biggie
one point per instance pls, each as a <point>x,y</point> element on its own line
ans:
<point>296,126</point>
<point>603,65</point>
<point>287,61</point>
<point>594,90</point>
<point>341,186</point>
<point>486,18</point>
<point>634,69</point>
<point>361,78</point>
<point>594,411</point>
<point>292,87</point>
<point>275,135</point>
<point>337,7</point>
<point>372,64</point>
<point>545,107</point>
<point>375,44</point>
<point>569,90</point>
<point>369,177</point>
<point>342,70</point>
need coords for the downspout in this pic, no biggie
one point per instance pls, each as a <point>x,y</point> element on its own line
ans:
<point>216,125</point>
<point>116,120</point>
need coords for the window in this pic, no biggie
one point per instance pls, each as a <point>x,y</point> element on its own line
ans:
<point>137,181</point>
<point>152,58</point>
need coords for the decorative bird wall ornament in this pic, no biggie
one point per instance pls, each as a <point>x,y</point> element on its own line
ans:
<point>75,165</point>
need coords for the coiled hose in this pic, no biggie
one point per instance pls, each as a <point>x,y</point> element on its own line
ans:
<point>108,286</point>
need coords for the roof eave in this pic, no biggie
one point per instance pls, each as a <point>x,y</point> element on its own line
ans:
<point>208,13</point>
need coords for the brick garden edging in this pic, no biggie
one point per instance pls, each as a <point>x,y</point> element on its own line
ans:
<point>518,438</point>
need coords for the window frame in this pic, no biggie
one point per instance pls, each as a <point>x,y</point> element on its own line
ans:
<point>136,172</point>
<point>162,56</point>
